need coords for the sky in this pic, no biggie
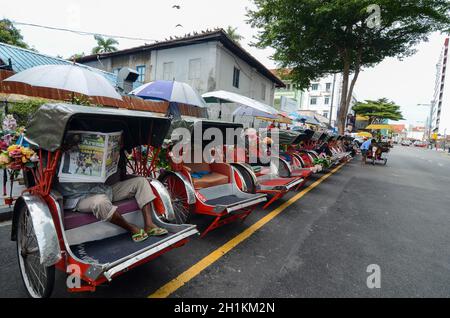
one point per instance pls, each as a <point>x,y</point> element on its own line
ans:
<point>408,82</point>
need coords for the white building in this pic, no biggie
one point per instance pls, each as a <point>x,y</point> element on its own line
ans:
<point>208,61</point>
<point>323,96</point>
<point>440,111</point>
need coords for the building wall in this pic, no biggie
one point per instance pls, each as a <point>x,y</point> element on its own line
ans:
<point>250,81</point>
<point>323,96</point>
<point>290,92</point>
<point>440,112</point>
<point>194,64</point>
<point>133,61</point>
<point>206,67</point>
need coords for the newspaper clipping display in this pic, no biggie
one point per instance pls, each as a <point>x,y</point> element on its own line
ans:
<point>93,159</point>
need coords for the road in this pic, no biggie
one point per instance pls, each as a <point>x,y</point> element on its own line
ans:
<point>396,217</point>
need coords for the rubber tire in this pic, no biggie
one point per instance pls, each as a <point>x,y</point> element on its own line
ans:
<point>50,271</point>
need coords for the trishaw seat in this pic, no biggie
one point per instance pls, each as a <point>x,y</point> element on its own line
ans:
<point>304,173</point>
<point>74,219</point>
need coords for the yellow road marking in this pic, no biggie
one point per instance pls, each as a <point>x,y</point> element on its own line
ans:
<point>208,260</point>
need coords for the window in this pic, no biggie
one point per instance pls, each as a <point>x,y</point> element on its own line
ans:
<point>263,91</point>
<point>328,87</point>
<point>194,69</point>
<point>325,114</point>
<point>140,69</point>
<point>168,71</point>
<point>327,100</point>
<point>313,101</point>
<point>314,87</point>
<point>236,74</point>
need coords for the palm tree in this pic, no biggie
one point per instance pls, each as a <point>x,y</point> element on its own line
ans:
<point>232,33</point>
<point>104,45</point>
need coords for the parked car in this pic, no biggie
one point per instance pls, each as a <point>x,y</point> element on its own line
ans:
<point>406,142</point>
<point>419,143</point>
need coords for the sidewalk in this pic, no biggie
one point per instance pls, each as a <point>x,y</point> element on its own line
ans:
<point>6,210</point>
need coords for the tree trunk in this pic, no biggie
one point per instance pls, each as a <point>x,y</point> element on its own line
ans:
<point>346,96</point>
<point>342,113</point>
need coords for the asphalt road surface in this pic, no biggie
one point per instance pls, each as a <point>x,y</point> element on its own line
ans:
<point>396,217</point>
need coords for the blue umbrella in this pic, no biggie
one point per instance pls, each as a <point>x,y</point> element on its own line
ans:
<point>171,91</point>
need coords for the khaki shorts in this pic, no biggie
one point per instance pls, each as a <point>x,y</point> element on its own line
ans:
<point>102,207</point>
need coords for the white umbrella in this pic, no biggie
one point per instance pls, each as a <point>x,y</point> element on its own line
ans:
<point>71,78</point>
<point>262,109</point>
<point>253,112</point>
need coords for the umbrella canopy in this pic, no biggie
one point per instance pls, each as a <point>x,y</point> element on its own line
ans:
<point>70,78</point>
<point>228,97</point>
<point>379,127</point>
<point>364,134</point>
<point>253,112</point>
<point>171,91</point>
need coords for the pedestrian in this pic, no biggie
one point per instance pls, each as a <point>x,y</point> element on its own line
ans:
<point>365,148</point>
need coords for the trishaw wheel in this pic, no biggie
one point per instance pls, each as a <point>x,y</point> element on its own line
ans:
<point>38,279</point>
<point>179,198</point>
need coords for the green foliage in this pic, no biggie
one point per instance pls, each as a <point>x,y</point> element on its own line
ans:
<point>76,56</point>
<point>23,111</point>
<point>324,162</point>
<point>104,45</point>
<point>163,160</point>
<point>81,100</point>
<point>232,33</point>
<point>315,38</point>
<point>378,110</point>
<point>10,35</point>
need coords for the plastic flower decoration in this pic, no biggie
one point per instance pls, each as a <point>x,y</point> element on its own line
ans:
<point>9,123</point>
<point>13,155</point>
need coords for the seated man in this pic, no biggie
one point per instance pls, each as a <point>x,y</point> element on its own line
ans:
<point>98,198</point>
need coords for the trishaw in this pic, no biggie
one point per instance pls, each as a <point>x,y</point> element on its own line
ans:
<point>272,177</point>
<point>206,187</point>
<point>50,237</point>
<point>288,156</point>
<point>306,150</point>
<point>377,153</point>
<point>338,153</point>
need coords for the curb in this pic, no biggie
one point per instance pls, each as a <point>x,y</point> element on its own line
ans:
<point>5,214</point>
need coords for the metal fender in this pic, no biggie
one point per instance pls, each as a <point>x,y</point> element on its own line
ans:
<point>275,168</point>
<point>43,225</point>
<point>236,171</point>
<point>187,185</point>
<point>248,169</point>
<point>164,197</point>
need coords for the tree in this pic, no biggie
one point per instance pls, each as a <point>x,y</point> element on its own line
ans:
<point>232,33</point>
<point>9,34</point>
<point>317,37</point>
<point>104,45</point>
<point>76,56</point>
<point>378,110</point>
